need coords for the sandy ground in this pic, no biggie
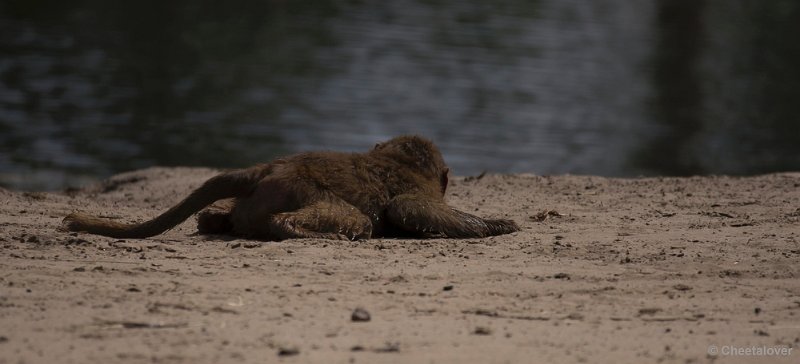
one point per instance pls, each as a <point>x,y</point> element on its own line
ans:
<point>620,270</point>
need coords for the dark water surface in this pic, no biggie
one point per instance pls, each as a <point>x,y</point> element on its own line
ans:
<point>608,87</point>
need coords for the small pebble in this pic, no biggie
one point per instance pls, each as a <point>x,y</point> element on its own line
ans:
<point>681,287</point>
<point>360,315</point>
<point>288,351</point>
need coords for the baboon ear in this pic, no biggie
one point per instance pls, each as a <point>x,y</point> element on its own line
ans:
<point>443,179</point>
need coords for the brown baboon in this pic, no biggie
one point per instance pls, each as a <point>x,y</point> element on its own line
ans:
<point>394,190</point>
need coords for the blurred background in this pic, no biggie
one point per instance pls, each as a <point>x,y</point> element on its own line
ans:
<point>89,88</point>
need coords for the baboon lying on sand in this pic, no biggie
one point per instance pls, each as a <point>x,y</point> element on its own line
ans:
<point>394,190</point>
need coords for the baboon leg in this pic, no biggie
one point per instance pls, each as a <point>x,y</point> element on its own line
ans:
<point>427,217</point>
<point>325,220</point>
<point>216,218</point>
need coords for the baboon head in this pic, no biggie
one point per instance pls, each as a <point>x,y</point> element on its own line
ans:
<point>418,152</point>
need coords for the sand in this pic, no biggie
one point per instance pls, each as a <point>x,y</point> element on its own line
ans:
<point>604,270</point>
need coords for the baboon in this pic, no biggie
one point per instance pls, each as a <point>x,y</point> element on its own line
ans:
<point>394,190</point>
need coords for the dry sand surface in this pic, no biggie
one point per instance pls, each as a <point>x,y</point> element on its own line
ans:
<point>604,270</point>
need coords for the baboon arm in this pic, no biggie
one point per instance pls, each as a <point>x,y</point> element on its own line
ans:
<point>324,220</point>
<point>428,217</point>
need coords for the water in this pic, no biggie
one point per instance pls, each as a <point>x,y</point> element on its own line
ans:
<point>608,87</point>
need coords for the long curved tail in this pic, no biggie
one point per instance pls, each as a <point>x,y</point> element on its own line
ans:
<point>237,183</point>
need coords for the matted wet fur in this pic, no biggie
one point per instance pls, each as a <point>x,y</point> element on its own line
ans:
<point>394,190</point>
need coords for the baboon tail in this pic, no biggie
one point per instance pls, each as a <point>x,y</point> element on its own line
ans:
<point>237,183</point>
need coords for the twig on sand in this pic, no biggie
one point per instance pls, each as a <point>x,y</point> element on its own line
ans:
<point>140,325</point>
<point>542,216</point>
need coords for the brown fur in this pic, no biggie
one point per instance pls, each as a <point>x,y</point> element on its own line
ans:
<point>395,189</point>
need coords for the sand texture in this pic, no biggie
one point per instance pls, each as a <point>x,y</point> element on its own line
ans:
<point>604,270</point>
